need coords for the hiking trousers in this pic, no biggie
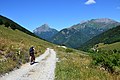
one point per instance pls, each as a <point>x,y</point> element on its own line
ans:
<point>32,58</point>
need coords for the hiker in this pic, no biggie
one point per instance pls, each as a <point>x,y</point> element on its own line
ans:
<point>32,56</point>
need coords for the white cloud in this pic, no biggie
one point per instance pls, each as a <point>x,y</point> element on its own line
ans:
<point>90,2</point>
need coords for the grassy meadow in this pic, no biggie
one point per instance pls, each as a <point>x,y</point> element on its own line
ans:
<point>14,48</point>
<point>75,65</point>
<point>109,46</point>
<point>71,65</point>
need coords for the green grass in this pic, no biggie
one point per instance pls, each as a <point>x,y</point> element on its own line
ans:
<point>77,66</point>
<point>14,48</point>
<point>108,60</point>
<point>108,56</point>
<point>73,65</point>
<point>109,46</point>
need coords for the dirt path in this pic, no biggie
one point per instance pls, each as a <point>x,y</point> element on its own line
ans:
<point>43,70</point>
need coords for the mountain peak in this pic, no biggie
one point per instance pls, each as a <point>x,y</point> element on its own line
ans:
<point>45,31</point>
<point>45,25</point>
<point>99,22</point>
<point>42,28</point>
<point>105,20</point>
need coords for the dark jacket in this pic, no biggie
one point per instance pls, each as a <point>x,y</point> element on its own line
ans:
<point>31,51</point>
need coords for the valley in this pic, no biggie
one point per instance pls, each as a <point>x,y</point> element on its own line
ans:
<point>83,63</point>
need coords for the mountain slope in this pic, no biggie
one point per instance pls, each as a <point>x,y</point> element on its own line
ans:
<point>45,32</point>
<point>9,23</point>
<point>14,47</point>
<point>80,33</point>
<point>108,37</point>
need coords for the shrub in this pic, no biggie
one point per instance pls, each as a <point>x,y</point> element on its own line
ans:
<point>107,60</point>
<point>68,50</point>
<point>13,26</point>
<point>1,22</point>
<point>7,24</point>
<point>115,51</point>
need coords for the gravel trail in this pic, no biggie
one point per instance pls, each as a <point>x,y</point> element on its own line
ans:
<point>43,69</point>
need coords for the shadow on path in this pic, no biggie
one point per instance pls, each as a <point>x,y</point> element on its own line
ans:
<point>33,63</point>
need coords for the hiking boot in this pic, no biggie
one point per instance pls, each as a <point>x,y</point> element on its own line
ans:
<point>31,63</point>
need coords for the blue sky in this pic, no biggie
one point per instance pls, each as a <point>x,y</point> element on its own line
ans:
<point>58,14</point>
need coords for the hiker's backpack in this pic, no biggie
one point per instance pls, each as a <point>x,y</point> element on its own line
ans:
<point>31,51</point>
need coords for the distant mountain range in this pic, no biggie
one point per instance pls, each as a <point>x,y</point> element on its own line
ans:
<point>78,34</point>
<point>45,32</point>
<point>108,37</point>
